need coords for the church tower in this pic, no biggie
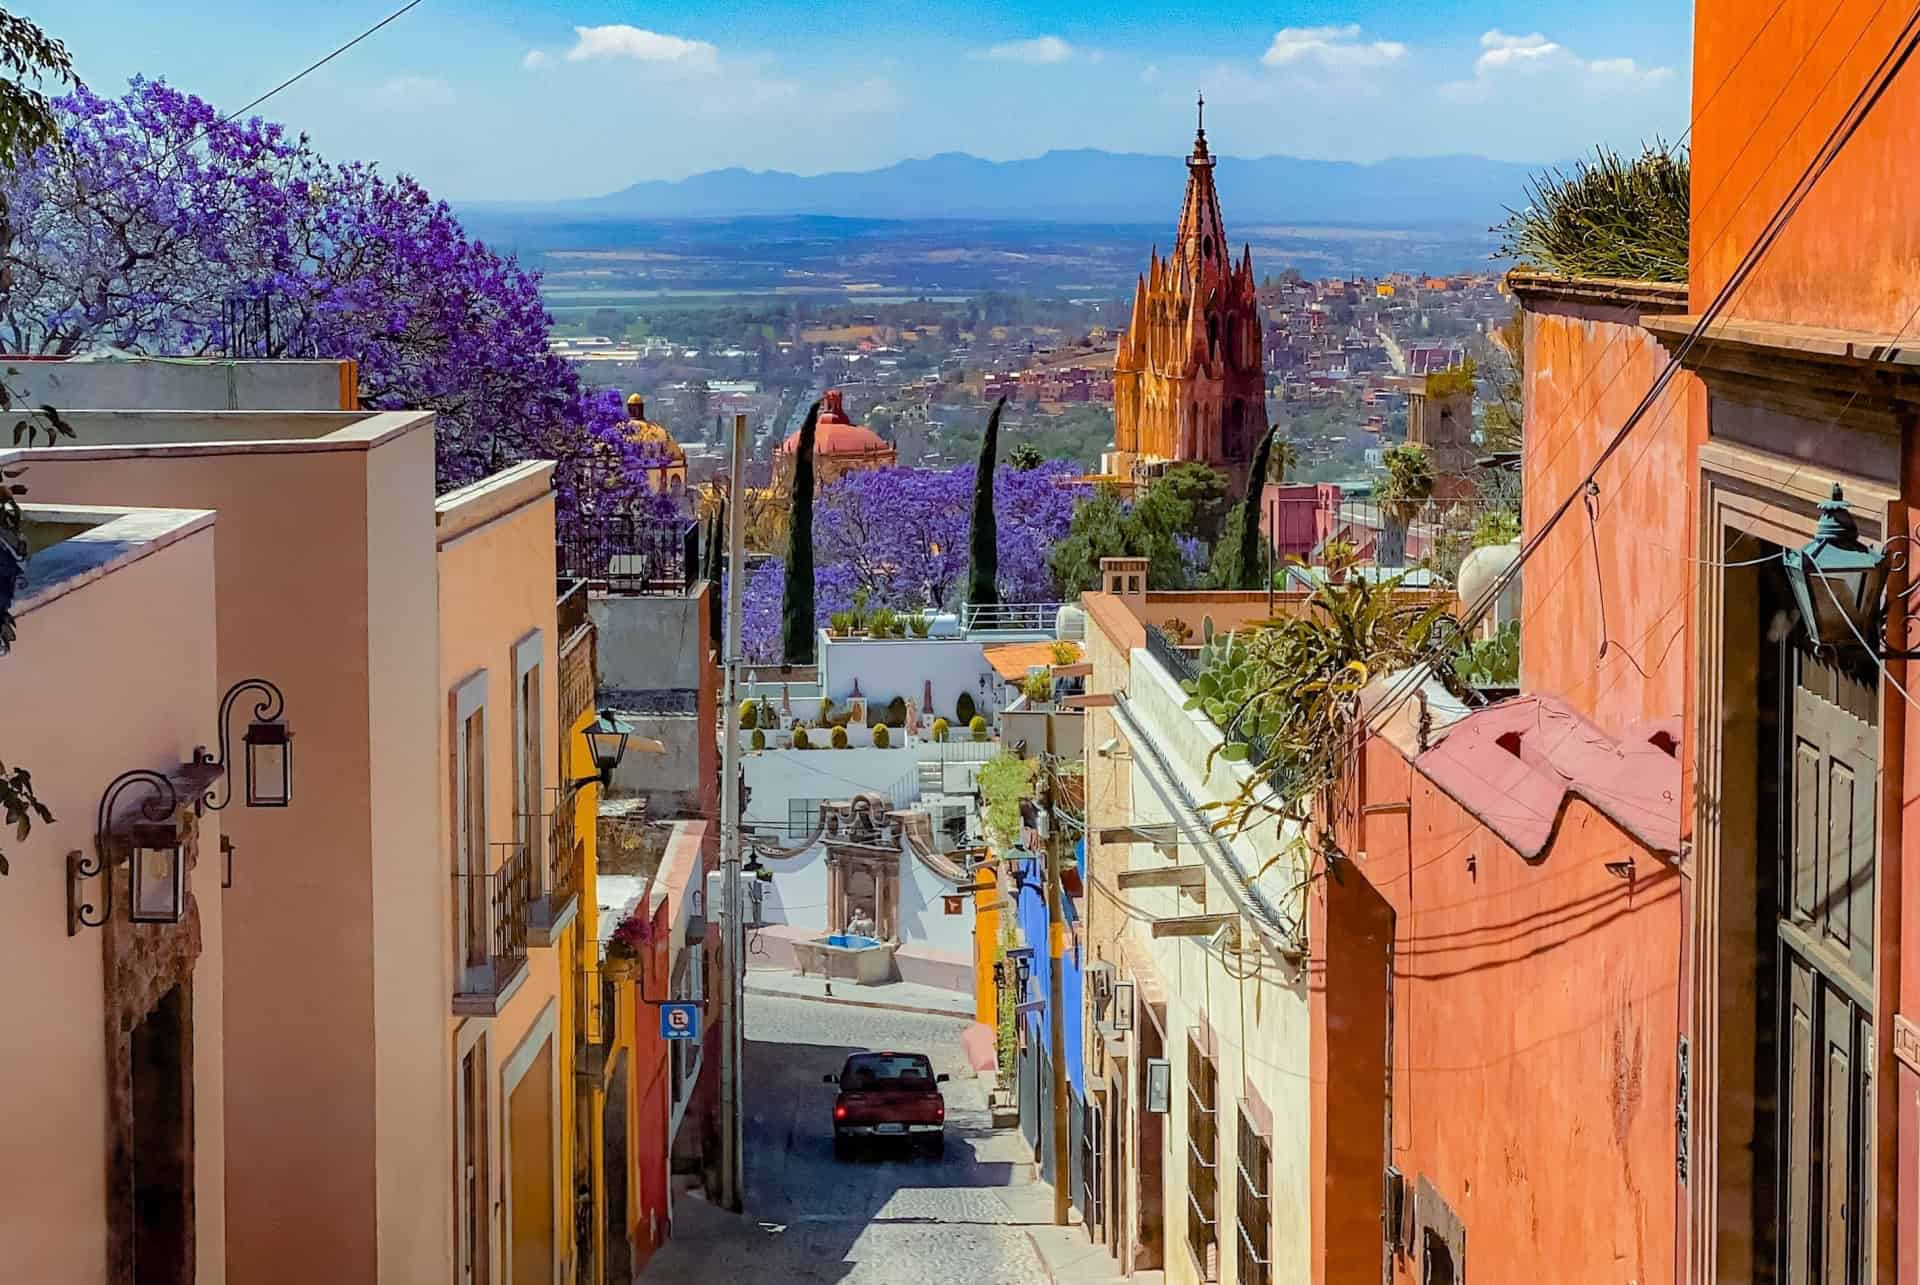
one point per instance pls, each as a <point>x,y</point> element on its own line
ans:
<point>1188,379</point>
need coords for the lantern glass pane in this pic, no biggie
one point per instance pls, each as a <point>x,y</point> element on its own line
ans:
<point>269,774</point>
<point>159,885</point>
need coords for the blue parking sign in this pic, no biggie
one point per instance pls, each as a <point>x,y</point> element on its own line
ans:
<point>679,1021</point>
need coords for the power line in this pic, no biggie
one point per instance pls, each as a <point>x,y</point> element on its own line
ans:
<point>1843,131</point>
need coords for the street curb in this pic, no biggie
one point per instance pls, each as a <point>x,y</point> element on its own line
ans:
<point>860,1003</point>
<point>1040,1254</point>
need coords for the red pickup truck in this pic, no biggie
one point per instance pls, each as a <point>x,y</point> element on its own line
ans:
<point>888,1095</point>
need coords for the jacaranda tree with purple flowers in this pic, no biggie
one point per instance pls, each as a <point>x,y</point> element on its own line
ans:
<point>155,226</point>
<point>900,535</point>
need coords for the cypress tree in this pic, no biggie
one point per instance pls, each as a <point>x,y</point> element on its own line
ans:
<point>796,620</point>
<point>1252,568</point>
<point>983,562</point>
<point>716,570</point>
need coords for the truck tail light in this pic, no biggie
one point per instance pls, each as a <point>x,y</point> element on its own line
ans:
<point>940,1110</point>
<point>839,1112</point>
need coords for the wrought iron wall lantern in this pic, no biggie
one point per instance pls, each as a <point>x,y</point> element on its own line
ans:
<point>269,749</point>
<point>1839,583</point>
<point>151,843</point>
<point>607,743</point>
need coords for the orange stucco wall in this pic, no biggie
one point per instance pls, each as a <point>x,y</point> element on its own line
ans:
<point>1605,602</point>
<point>1764,103</point>
<point>496,587</point>
<point>1534,1022</point>
<point>133,652</point>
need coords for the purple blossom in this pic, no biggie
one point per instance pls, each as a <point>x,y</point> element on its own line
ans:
<point>154,218</point>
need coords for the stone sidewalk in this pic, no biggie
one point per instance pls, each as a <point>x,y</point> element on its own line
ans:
<point>905,997</point>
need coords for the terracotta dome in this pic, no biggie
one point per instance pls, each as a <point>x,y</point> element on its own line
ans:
<point>835,434</point>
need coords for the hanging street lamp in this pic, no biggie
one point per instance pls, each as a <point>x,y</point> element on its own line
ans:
<point>1837,581</point>
<point>150,843</point>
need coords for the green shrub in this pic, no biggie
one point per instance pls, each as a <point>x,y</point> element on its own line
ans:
<point>1612,217</point>
<point>880,740</point>
<point>978,726</point>
<point>920,624</point>
<point>840,622</point>
<point>800,736</point>
<point>884,623</point>
<point>759,739</point>
<point>840,738</point>
<point>749,715</point>
<point>1039,687</point>
<point>963,709</point>
<point>939,729</point>
<point>1065,653</point>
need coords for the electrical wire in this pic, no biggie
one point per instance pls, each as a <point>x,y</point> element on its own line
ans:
<point>1843,131</point>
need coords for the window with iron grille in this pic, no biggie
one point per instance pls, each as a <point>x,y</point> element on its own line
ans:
<point>1253,1206</point>
<point>1203,1158</point>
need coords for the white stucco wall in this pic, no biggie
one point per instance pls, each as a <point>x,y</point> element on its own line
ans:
<point>1260,1023</point>
<point>889,667</point>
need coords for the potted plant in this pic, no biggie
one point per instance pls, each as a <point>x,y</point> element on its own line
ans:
<point>759,739</point>
<point>978,726</point>
<point>800,736</point>
<point>840,624</point>
<point>839,738</point>
<point>920,624</point>
<point>1039,687</point>
<point>624,947</point>
<point>884,623</point>
<point>940,729</point>
<point>880,739</point>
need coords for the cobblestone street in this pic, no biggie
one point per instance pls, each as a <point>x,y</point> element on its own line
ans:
<point>886,1217</point>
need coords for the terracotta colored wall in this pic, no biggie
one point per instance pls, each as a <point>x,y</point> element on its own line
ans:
<point>1603,619</point>
<point>1813,57</point>
<point>297,604</point>
<point>650,1110</point>
<point>134,652</point>
<point>1535,1012</point>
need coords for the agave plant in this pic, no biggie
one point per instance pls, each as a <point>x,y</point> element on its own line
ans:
<point>1286,696</point>
<point>1612,217</point>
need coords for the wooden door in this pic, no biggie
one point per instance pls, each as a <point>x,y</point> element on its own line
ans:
<point>1825,940</point>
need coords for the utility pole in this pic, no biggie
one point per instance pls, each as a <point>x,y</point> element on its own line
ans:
<point>1056,990</point>
<point>734,957</point>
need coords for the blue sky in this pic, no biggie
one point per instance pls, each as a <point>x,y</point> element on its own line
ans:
<point>529,99</point>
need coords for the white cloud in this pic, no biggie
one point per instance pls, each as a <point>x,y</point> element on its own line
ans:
<point>618,40</point>
<point>1334,46</point>
<point>1040,50</point>
<point>414,91</point>
<point>1504,57</point>
<point>535,59</point>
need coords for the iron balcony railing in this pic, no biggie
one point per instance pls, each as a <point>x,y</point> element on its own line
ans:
<point>1181,665</point>
<point>1009,617</point>
<point>623,554</point>
<point>570,603</point>
<point>493,939</point>
<point>564,856</point>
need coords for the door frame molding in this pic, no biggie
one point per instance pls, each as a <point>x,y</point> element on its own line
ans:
<point>1746,492</point>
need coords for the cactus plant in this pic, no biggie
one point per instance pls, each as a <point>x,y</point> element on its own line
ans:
<point>978,726</point>
<point>839,738</point>
<point>940,729</point>
<point>759,739</point>
<point>800,738</point>
<point>880,740</point>
<point>749,715</point>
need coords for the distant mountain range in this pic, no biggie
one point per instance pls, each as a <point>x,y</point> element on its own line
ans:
<point>1088,186</point>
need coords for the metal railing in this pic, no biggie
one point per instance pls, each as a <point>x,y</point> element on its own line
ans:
<point>564,855</point>
<point>494,909</point>
<point>959,747</point>
<point>1181,666</point>
<point>570,605</point>
<point>626,555</point>
<point>1021,617</point>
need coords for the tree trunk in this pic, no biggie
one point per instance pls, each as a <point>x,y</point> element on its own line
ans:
<point>797,625</point>
<point>983,569</point>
